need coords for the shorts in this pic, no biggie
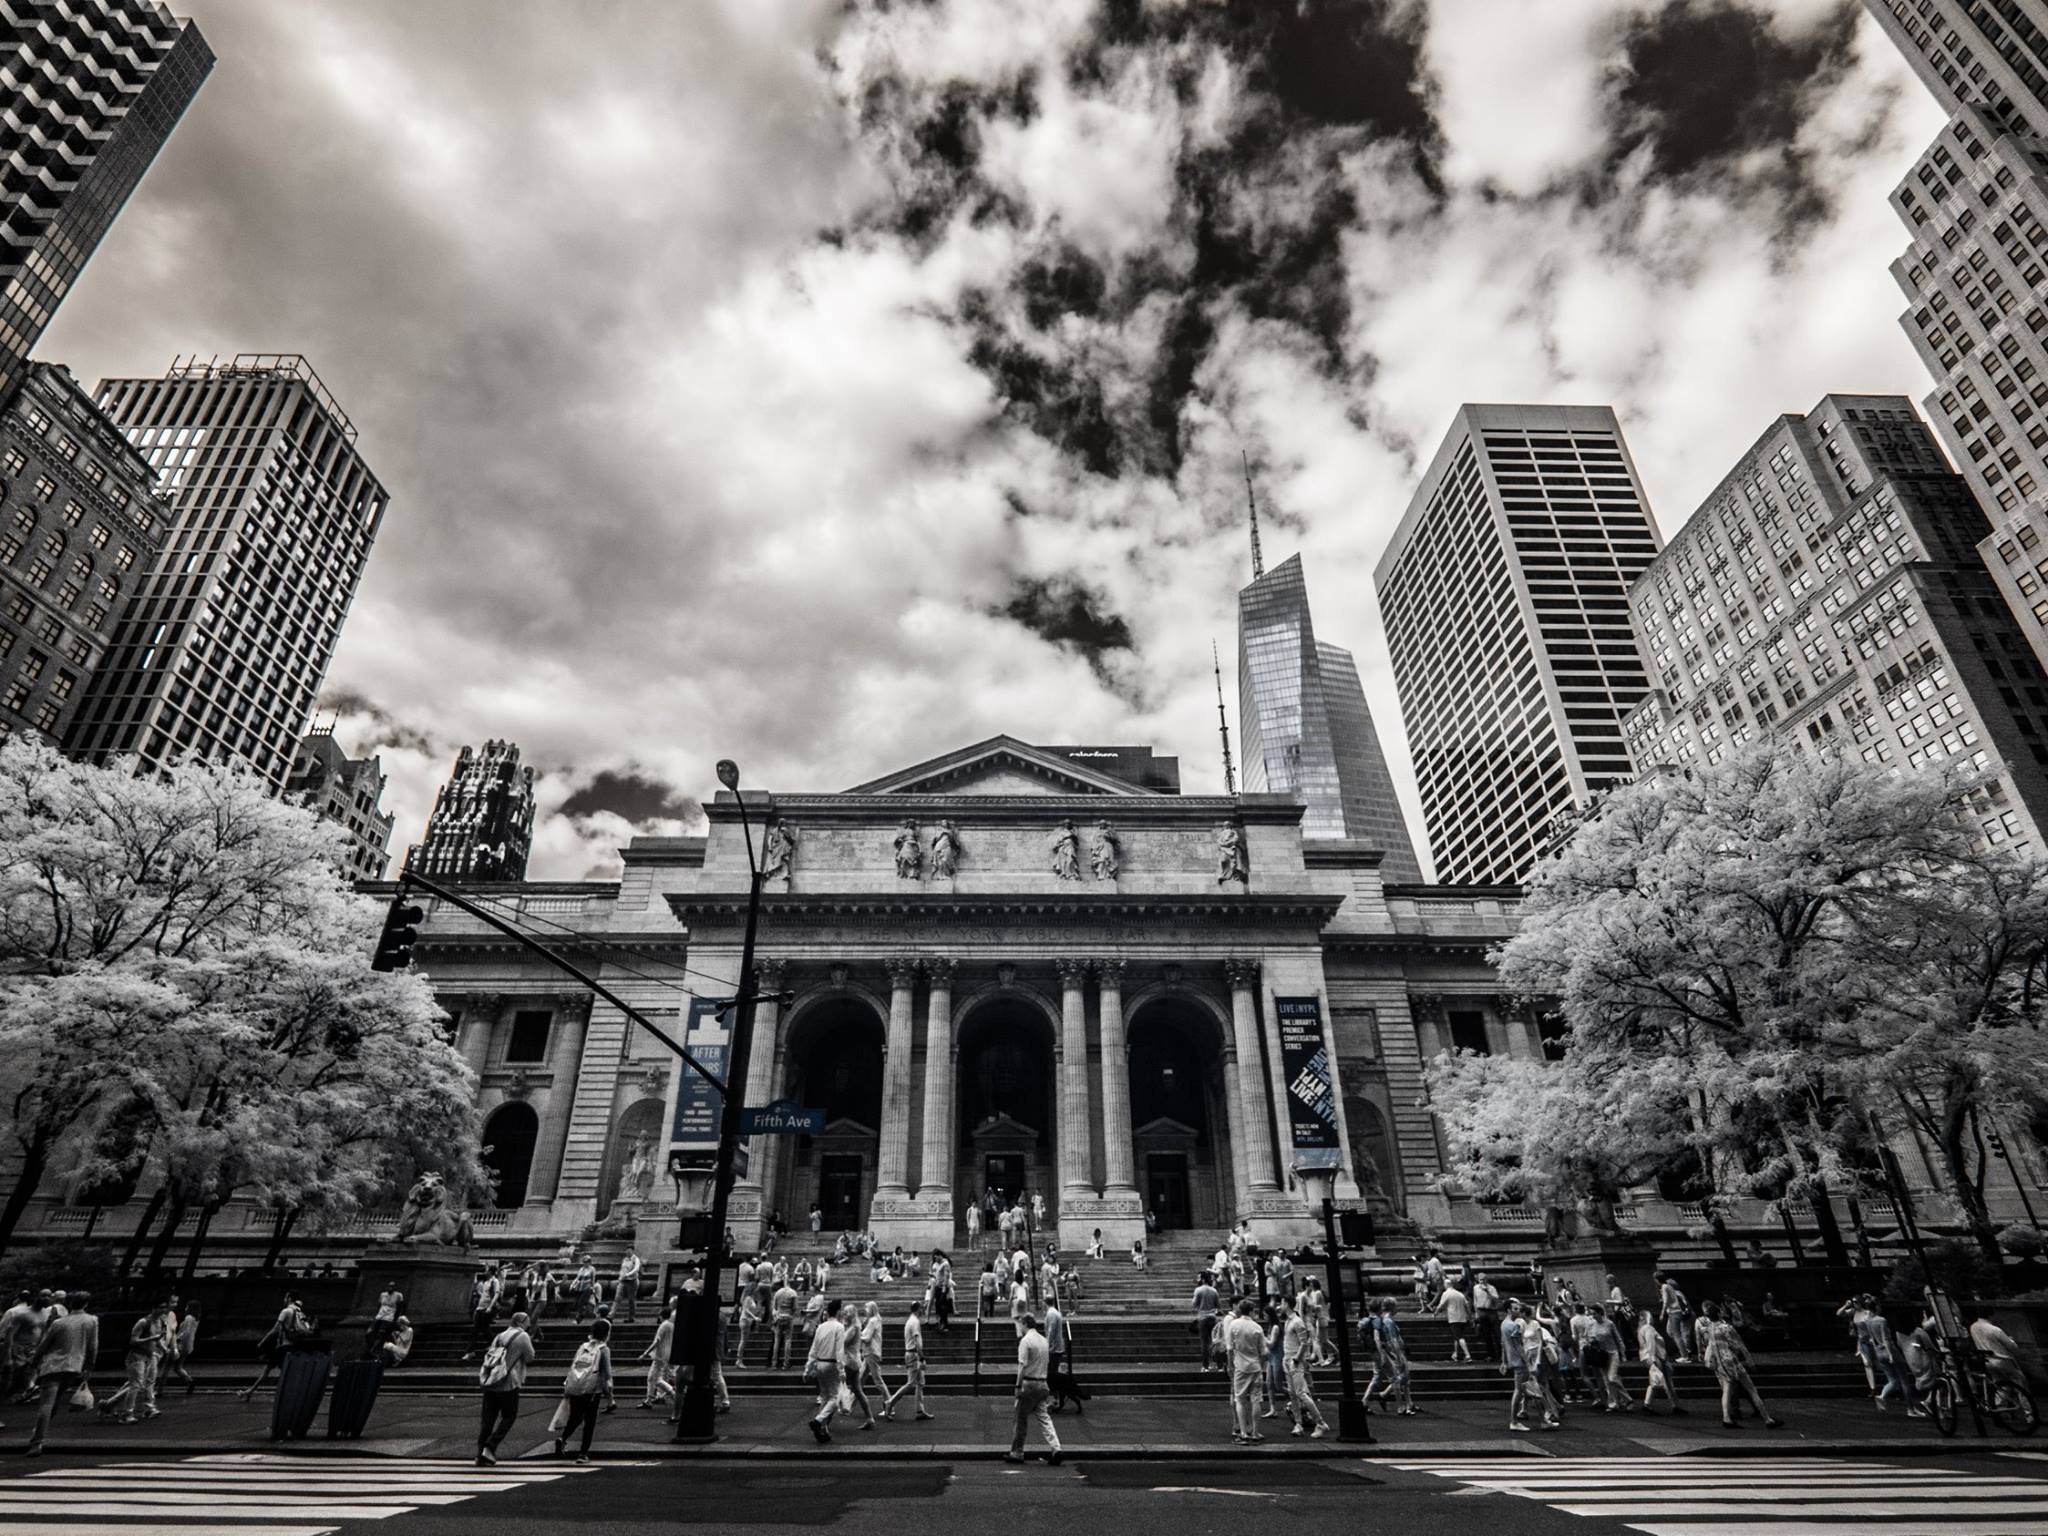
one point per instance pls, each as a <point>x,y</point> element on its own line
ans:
<point>1461,1330</point>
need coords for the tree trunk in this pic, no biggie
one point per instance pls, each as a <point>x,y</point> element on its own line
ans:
<point>1831,1242</point>
<point>1862,1232</point>
<point>1723,1236</point>
<point>206,1215</point>
<point>1976,1214</point>
<point>156,1203</point>
<point>280,1229</point>
<point>32,1166</point>
<point>162,1245</point>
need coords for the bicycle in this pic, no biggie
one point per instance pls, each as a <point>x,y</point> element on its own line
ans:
<point>1999,1397</point>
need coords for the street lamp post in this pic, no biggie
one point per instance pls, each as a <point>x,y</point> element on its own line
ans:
<point>696,1409</point>
<point>1351,1416</point>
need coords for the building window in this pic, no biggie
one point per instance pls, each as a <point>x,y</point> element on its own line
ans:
<point>529,1040</point>
<point>1468,1032</point>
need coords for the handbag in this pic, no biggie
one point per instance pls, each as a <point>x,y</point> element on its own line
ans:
<point>81,1401</point>
<point>845,1398</point>
<point>560,1421</point>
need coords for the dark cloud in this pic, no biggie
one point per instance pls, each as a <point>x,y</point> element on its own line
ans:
<point>1065,611</point>
<point>1716,92</point>
<point>633,796</point>
<point>387,729</point>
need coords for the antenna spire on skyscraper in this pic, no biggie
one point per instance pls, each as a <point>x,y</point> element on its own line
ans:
<point>1223,722</point>
<point>1251,498</point>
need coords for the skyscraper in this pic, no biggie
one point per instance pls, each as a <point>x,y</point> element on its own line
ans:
<point>79,524</point>
<point>348,791</point>
<point>1976,204</point>
<point>89,92</point>
<point>482,825</point>
<point>1307,728</point>
<point>221,651</point>
<point>1505,597</point>
<point>1829,591</point>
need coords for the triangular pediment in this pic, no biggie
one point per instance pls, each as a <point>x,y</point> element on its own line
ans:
<point>1165,1129</point>
<point>1002,765</point>
<point>846,1129</point>
<point>1003,1128</point>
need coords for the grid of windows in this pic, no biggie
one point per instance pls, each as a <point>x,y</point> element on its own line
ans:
<point>1828,591</point>
<point>1504,594</point>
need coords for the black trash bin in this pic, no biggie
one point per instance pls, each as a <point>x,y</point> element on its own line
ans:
<point>301,1383</point>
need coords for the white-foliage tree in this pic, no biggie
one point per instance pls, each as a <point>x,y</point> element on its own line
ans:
<point>1757,963</point>
<point>180,952</point>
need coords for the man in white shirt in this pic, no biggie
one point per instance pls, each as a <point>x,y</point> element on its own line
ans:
<point>2001,1354</point>
<point>1297,1354</point>
<point>1244,1345</point>
<point>1205,1302</point>
<point>626,1296</point>
<point>1486,1318</point>
<point>1457,1311</point>
<point>782,1324</point>
<point>913,1364</point>
<point>828,1344</point>
<point>1033,1392</point>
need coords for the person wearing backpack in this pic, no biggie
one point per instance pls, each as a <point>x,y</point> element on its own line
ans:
<point>501,1376</point>
<point>589,1381</point>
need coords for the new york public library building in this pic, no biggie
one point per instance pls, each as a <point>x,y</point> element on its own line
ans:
<point>1039,970</point>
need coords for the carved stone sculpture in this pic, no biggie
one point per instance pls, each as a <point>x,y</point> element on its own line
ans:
<point>1231,863</point>
<point>945,851</point>
<point>1066,852</point>
<point>779,853</point>
<point>1105,854</point>
<point>909,852</point>
<point>427,1218</point>
<point>636,1174</point>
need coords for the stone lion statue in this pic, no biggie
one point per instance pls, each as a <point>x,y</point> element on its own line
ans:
<point>426,1217</point>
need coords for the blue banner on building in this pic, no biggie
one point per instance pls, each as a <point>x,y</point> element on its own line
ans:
<point>1311,1100</point>
<point>707,1037</point>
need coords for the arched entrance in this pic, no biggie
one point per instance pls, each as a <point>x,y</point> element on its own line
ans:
<point>1179,1122</point>
<point>635,1157</point>
<point>833,1062</point>
<point>1004,1136</point>
<point>1372,1154</point>
<point>509,1136</point>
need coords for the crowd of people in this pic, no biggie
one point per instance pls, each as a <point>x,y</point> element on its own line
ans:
<point>50,1344</point>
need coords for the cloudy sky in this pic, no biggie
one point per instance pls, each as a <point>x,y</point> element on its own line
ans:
<point>830,385</point>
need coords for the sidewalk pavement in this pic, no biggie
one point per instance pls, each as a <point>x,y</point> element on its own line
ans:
<point>971,1427</point>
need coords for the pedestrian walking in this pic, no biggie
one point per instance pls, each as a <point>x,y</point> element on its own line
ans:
<point>292,1328</point>
<point>1600,1357</point>
<point>823,1366</point>
<point>1297,1353</point>
<point>1032,1393</point>
<point>484,1292</point>
<point>1728,1358</point>
<point>1020,1296</point>
<point>1675,1309</point>
<point>782,1325</point>
<point>1206,1304</point>
<point>580,1287</point>
<point>1058,1341</point>
<point>1275,1384</point>
<point>869,1373</point>
<point>1656,1355</point>
<point>1891,1359</point>
<point>136,1399</point>
<point>501,1376</point>
<point>753,1316</point>
<point>1390,1376</point>
<point>942,1289</point>
<point>62,1364</point>
<point>587,1384</point>
<point>1486,1318</point>
<point>660,1373</point>
<point>385,1320</point>
<point>1244,1346</point>
<point>626,1294</point>
<point>1456,1309</point>
<point>913,1363</point>
<point>185,1343</point>
<point>1521,1350</point>
<point>974,1227</point>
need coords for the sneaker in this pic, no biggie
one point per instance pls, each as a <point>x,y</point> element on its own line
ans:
<point>923,1415</point>
<point>1774,1423</point>
<point>480,1461</point>
<point>1320,1432</point>
<point>1518,1426</point>
<point>560,1446</point>
<point>1295,1431</point>
<point>1014,1456</point>
<point>819,1432</point>
<point>583,1460</point>
<point>1055,1458</point>
<point>1254,1439</point>
<point>487,1457</point>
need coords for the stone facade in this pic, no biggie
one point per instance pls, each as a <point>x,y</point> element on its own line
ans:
<point>482,823</point>
<point>1008,967</point>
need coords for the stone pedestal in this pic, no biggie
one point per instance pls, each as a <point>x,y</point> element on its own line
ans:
<point>1121,1218</point>
<point>914,1223</point>
<point>746,1212</point>
<point>1588,1260</point>
<point>434,1280</point>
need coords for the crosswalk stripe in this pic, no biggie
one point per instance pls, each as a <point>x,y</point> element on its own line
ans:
<point>1788,1498</point>
<point>86,1481</point>
<point>1767,1488</point>
<point>267,1511</point>
<point>481,1482</point>
<point>1837,1528</point>
<point>1869,1510</point>
<point>58,1493</point>
<point>93,1528</point>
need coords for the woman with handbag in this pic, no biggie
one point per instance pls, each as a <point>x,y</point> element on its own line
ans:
<point>63,1365</point>
<point>588,1383</point>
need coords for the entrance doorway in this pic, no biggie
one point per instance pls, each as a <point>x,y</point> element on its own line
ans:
<point>1004,1173</point>
<point>1166,1190</point>
<point>839,1191</point>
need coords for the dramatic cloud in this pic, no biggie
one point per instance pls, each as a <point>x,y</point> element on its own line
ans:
<point>828,385</point>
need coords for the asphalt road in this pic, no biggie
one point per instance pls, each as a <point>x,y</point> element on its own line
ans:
<point>262,1494</point>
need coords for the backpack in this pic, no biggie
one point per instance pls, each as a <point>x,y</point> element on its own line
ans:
<point>497,1364</point>
<point>582,1378</point>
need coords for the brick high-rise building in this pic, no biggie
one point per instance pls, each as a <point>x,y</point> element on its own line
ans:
<point>1505,597</point>
<point>1829,590</point>
<point>1306,727</point>
<point>89,92</point>
<point>221,651</point>
<point>348,791</point>
<point>1976,274</point>
<point>482,825</point>
<point>79,524</point>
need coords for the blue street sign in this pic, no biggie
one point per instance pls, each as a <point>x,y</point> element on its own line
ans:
<point>781,1119</point>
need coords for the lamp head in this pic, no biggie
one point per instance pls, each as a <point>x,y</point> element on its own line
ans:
<point>1321,1183</point>
<point>729,773</point>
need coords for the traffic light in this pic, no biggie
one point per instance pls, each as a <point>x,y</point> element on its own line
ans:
<point>401,931</point>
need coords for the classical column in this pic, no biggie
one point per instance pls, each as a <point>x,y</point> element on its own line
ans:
<point>761,1074</point>
<point>1076,1174</point>
<point>479,1019</point>
<point>892,1172</point>
<point>1118,1177</point>
<point>1275,1079</point>
<point>1233,1117</point>
<point>1254,1140</point>
<point>935,1165</point>
<point>565,1058</point>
